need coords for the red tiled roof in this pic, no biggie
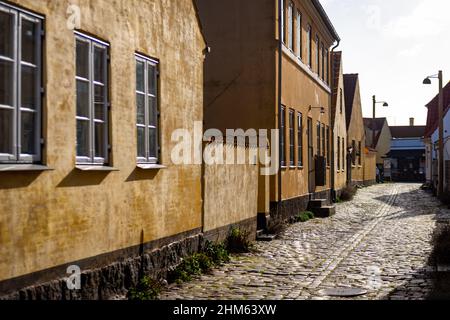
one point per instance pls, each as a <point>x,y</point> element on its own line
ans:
<point>433,113</point>
<point>407,131</point>
<point>350,82</point>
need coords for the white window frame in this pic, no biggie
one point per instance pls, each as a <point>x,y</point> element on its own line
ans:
<point>291,138</point>
<point>148,159</point>
<point>291,25</point>
<point>95,43</point>
<point>299,35</point>
<point>17,156</point>
<point>300,139</point>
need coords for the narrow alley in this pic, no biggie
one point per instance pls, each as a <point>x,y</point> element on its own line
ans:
<point>378,243</point>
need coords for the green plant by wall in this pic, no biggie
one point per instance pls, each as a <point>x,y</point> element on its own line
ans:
<point>196,264</point>
<point>147,289</point>
<point>304,216</point>
<point>217,252</point>
<point>238,241</point>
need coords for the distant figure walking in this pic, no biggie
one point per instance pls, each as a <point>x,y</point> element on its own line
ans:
<point>378,175</point>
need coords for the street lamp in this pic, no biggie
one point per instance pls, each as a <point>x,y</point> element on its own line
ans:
<point>427,81</point>
<point>375,102</point>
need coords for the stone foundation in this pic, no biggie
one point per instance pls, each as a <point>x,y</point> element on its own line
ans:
<point>107,282</point>
<point>291,207</point>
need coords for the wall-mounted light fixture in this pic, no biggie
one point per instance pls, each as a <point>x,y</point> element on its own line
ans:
<point>322,109</point>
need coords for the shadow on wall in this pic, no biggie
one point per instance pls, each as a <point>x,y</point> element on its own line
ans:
<point>15,180</point>
<point>77,178</point>
<point>142,175</point>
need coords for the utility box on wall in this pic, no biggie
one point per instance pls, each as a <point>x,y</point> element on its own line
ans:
<point>321,171</point>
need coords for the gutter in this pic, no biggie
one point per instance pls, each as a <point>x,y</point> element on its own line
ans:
<point>326,19</point>
<point>332,153</point>
<point>280,65</point>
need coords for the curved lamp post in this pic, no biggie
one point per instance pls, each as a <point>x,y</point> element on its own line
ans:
<point>427,81</point>
<point>375,102</point>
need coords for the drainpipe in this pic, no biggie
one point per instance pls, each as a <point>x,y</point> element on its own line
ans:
<point>280,63</point>
<point>333,160</point>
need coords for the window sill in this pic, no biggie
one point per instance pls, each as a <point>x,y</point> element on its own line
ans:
<point>144,166</point>
<point>95,168</point>
<point>23,167</point>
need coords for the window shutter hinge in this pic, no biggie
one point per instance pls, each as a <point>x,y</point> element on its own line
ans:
<point>43,33</point>
<point>108,105</point>
<point>109,147</point>
<point>42,91</point>
<point>42,142</point>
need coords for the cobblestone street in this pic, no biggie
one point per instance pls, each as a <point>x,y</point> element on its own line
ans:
<point>379,242</point>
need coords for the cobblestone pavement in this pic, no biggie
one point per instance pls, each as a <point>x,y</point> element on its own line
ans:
<point>379,242</point>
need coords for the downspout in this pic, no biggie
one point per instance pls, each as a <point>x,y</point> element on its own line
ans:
<point>333,154</point>
<point>280,63</point>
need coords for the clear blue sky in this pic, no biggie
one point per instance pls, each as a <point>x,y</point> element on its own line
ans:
<point>394,45</point>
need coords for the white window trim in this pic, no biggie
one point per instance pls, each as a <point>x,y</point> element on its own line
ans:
<point>18,157</point>
<point>149,159</point>
<point>92,159</point>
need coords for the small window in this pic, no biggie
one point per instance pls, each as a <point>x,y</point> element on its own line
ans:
<point>339,153</point>
<point>283,8</point>
<point>327,66</point>
<point>343,154</point>
<point>360,153</point>
<point>354,152</point>
<point>324,143</point>
<point>291,26</point>
<point>299,35</point>
<point>300,139</point>
<point>318,139</point>
<point>318,55</point>
<point>21,37</point>
<point>291,138</point>
<point>147,115</point>
<point>92,112</point>
<point>328,147</point>
<point>282,137</point>
<point>322,49</point>
<point>341,100</point>
<point>309,46</point>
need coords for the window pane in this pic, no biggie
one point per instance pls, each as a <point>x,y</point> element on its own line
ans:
<point>99,96</point>
<point>140,100</point>
<point>6,34</point>
<point>82,99</point>
<point>152,112</point>
<point>100,140</point>
<point>83,59</point>
<point>152,80</point>
<point>28,133</point>
<point>29,44</point>
<point>141,142</point>
<point>140,77</point>
<point>29,87</point>
<point>153,143</point>
<point>99,64</point>
<point>82,138</point>
<point>6,131</point>
<point>6,83</point>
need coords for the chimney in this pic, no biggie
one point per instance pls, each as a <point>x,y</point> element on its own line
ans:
<point>411,122</point>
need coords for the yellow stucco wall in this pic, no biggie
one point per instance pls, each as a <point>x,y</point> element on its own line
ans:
<point>356,132</point>
<point>302,88</point>
<point>66,215</point>
<point>370,163</point>
<point>340,130</point>
<point>231,192</point>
